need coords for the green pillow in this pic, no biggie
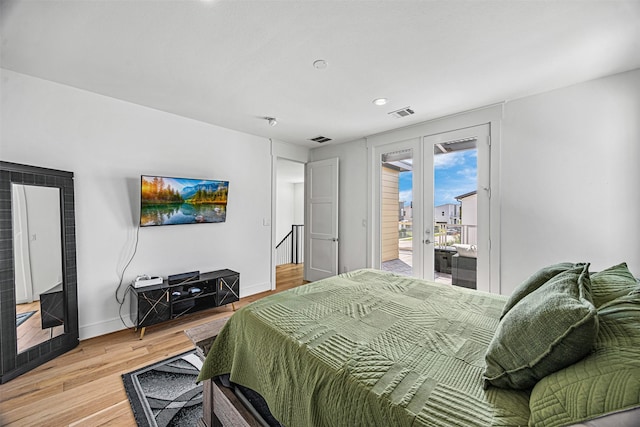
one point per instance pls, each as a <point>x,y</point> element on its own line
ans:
<point>538,279</point>
<point>552,327</point>
<point>612,283</point>
<point>605,382</point>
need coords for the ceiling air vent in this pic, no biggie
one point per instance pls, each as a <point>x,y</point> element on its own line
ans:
<point>320,139</point>
<point>403,112</point>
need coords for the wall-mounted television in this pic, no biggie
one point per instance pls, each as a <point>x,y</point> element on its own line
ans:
<point>170,201</point>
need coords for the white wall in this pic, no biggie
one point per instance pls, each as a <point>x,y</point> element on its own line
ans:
<point>570,178</point>
<point>568,161</point>
<point>285,209</point>
<point>282,150</point>
<point>298,203</point>
<point>108,144</point>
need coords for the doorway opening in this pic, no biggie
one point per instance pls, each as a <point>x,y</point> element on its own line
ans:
<point>289,220</point>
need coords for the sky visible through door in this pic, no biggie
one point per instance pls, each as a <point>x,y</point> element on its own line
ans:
<point>455,174</point>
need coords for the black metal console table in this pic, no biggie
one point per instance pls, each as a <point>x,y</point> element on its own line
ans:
<point>158,303</point>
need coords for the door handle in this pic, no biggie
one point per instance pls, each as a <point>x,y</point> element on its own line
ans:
<point>427,241</point>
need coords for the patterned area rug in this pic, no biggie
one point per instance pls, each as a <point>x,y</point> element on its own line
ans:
<point>166,393</point>
<point>22,317</point>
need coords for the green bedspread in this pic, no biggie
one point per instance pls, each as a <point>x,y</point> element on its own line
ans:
<point>369,348</point>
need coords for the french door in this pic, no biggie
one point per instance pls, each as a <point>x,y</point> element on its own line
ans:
<point>419,220</point>
<point>456,207</point>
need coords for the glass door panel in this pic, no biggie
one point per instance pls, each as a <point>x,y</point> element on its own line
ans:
<point>456,206</point>
<point>396,216</point>
<point>455,177</point>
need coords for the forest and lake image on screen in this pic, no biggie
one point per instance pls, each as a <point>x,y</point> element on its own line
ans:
<point>168,201</point>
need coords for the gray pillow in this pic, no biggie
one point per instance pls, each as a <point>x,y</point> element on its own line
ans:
<point>547,330</point>
<point>538,279</point>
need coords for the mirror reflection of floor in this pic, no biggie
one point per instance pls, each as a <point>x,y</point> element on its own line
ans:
<point>30,332</point>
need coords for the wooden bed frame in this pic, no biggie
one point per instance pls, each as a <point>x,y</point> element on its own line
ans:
<point>221,406</point>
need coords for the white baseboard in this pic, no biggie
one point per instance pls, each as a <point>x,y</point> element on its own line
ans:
<point>246,291</point>
<point>102,328</point>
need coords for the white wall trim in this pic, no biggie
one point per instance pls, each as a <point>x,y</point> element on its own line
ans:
<point>257,288</point>
<point>102,328</point>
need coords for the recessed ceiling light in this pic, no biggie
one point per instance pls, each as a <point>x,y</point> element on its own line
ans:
<point>380,101</point>
<point>320,64</point>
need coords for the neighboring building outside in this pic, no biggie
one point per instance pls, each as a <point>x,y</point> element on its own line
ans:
<point>447,214</point>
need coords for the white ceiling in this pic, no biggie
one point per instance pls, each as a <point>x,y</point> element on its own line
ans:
<point>232,63</point>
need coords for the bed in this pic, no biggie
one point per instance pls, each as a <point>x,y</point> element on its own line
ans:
<point>373,348</point>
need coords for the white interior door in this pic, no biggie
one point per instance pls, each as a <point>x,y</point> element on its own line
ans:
<point>321,219</point>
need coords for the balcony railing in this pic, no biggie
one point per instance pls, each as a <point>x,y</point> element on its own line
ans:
<point>451,234</point>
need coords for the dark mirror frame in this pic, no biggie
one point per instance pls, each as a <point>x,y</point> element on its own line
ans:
<point>13,363</point>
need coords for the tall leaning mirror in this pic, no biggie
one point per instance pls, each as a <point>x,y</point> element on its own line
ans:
<point>38,289</point>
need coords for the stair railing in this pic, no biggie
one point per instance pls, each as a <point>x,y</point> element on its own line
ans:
<point>290,250</point>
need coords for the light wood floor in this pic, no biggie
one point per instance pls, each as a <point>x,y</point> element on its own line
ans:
<point>84,386</point>
<point>30,332</point>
